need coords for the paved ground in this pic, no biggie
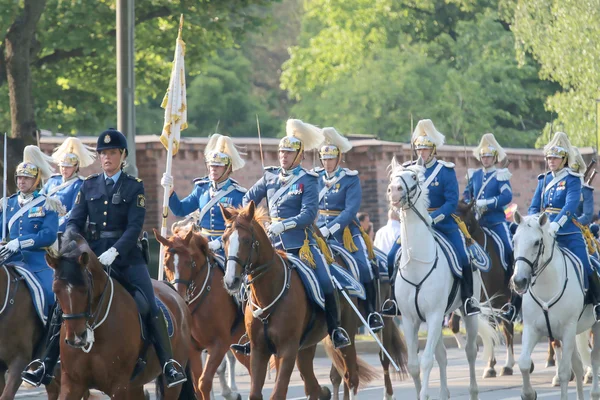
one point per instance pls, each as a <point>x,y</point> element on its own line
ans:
<point>490,389</point>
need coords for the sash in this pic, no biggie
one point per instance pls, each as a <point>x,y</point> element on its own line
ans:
<point>61,186</point>
<point>485,184</point>
<point>23,210</point>
<point>326,188</point>
<point>436,171</point>
<point>218,196</point>
<point>556,179</point>
<point>286,187</point>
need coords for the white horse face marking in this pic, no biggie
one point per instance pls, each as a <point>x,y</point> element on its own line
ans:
<point>176,266</point>
<point>231,280</point>
<point>527,242</point>
<point>401,186</point>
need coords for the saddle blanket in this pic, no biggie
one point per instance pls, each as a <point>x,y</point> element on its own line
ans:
<point>347,282</point>
<point>220,261</point>
<point>167,315</point>
<point>35,289</point>
<point>479,257</point>
<point>239,296</point>
<point>497,243</point>
<point>380,259</point>
<point>577,266</point>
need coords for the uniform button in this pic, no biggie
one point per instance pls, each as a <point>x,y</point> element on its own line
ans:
<point>105,202</point>
<point>104,212</point>
<point>104,223</point>
<point>92,198</point>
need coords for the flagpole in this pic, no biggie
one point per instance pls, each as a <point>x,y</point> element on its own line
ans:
<point>4,194</point>
<point>174,132</point>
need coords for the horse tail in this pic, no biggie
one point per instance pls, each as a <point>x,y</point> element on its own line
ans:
<point>366,373</point>
<point>398,350</point>
<point>489,335</point>
<point>187,390</point>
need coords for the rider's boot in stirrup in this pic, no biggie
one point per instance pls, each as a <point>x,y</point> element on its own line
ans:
<point>512,308</point>
<point>171,369</point>
<point>470,306</point>
<point>339,336</point>
<point>373,318</point>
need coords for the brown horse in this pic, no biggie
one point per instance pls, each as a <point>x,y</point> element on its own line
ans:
<point>100,339</point>
<point>495,282</point>
<point>288,326</point>
<point>21,333</point>
<point>216,322</point>
<point>391,338</point>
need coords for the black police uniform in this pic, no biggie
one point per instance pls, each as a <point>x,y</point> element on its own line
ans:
<point>113,216</point>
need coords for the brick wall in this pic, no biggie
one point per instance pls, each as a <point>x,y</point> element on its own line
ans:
<point>371,157</point>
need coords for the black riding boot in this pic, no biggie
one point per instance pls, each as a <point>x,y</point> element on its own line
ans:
<point>242,348</point>
<point>45,366</point>
<point>339,336</point>
<point>162,344</point>
<point>512,308</point>
<point>466,290</point>
<point>373,317</point>
<point>594,283</point>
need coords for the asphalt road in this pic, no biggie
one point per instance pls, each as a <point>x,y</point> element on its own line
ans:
<point>490,389</point>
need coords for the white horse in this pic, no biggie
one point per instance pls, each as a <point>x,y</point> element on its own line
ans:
<point>552,304</point>
<point>423,265</point>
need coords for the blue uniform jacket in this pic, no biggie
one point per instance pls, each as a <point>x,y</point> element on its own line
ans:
<point>497,192</point>
<point>230,194</point>
<point>297,203</point>
<point>561,194</point>
<point>126,218</point>
<point>66,195</point>
<point>36,229</point>
<point>585,209</point>
<point>344,197</point>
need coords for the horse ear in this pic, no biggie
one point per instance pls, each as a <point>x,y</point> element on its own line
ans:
<point>226,213</point>
<point>188,236</point>
<point>543,219</point>
<point>517,218</point>
<point>250,209</point>
<point>395,163</point>
<point>84,259</point>
<point>160,239</point>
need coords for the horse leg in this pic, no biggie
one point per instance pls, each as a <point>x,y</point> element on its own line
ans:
<point>578,369</point>
<point>221,371</point>
<point>411,335</point>
<point>14,380</point>
<point>595,393</point>
<point>442,359</point>
<point>304,362</point>
<point>231,371</point>
<point>336,381</point>
<point>70,390</point>
<point>564,365</point>
<point>259,362</point>
<point>584,352</point>
<point>472,325</point>
<point>550,360</point>
<point>196,367</point>
<point>214,359</point>
<point>558,356</point>
<point>285,368</point>
<point>530,339</point>
<point>434,334</point>
<point>508,329</point>
<point>454,325</point>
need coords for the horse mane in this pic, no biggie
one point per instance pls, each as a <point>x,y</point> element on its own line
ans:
<point>73,246</point>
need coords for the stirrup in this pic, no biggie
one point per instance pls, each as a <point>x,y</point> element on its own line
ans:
<point>385,311</point>
<point>179,371</point>
<point>597,312</point>
<point>343,332</point>
<point>508,309</point>
<point>242,348</point>
<point>28,371</point>
<point>378,319</point>
<point>471,301</point>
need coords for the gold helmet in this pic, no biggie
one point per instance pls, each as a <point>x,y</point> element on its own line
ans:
<point>300,136</point>
<point>426,136</point>
<point>489,147</point>
<point>220,151</point>
<point>35,165</point>
<point>73,153</point>
<point>335,144</point>
<point>560,147</point>
<point>578,164</point>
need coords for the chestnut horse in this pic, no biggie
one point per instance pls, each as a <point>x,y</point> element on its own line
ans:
<point>287,326</point>
<point>216,321</point>
<point>495,283</point>
<point>101,338</point>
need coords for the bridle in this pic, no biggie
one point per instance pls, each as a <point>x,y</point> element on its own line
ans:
<point>191,283</point>
<point>247,265</point>
<point>409,203</point>
<point>536,269</point>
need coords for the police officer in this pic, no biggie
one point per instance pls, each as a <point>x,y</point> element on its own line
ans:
<point>222,158</point>
<point>293,200</point>
<point>489,187</point>
<point>440,178</point>
<point>32,221</point>
<point>557,194</point>
<point>115,206</point>
<point>340,195</point>
<point>70,157</point>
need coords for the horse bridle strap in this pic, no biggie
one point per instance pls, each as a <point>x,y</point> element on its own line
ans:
<point>417,286</point>
<point>411,203</point>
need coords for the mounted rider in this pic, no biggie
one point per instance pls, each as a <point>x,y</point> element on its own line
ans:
<point>440,179</point>
<point>32,222</point>
<point>70,157</point>
<point>222,158</point>
<point>292,196</point>
<point>489,187</point>
<point>557,194</point>
<point>585,209</point>
<point>109,211</point>
<point>340,196</point>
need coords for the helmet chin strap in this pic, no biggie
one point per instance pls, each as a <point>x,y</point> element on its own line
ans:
<point>224,176</point>
<point>297,160</point>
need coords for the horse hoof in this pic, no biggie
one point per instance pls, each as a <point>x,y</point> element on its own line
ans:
<point>325,393</point>
<point>587,378</point>
<point>556,381</point>
<point>523,397</point>
<point>146,395</point>
<point>239,397</point>
<point>506,371</point>
<point>550,363</point>
<point>531,369</point>
<point>572,377</point>
<point>489,373</point>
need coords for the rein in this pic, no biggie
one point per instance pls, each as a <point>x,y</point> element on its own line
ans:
<point>9,298</point>
<point>191,284</point>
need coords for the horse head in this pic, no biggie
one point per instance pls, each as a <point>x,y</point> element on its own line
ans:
<point>406,186</point>
<point>74,265</point>
<point>241,241</point>
<point>531,241</point>
<point>186,255</point>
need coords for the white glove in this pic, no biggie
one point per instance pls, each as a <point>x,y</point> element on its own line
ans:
<point>214,245</point>
<point>325,232</point>
<point>553,228</point>
<point>428,219</point>
<point>166,181</point>
<point>481,203</point>
<point>13,245</point>
<point>276,229</point>
<point>108,257</point>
